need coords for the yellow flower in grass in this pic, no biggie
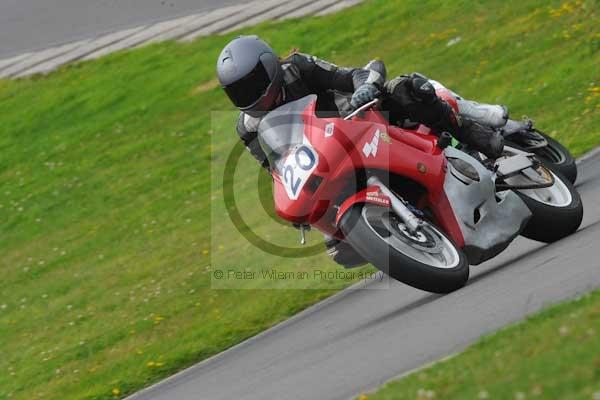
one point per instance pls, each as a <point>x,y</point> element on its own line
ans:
<point>116,391</point>
<point>595,90</point>
<point>155,364</point>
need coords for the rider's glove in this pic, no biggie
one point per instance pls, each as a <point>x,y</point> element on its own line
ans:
<point>364,94</point>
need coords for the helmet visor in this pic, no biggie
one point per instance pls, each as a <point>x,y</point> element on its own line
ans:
<point>249,89</point>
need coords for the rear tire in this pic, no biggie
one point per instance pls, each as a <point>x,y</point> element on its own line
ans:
<point>550,223</point>
<point>368,241</point>
<point>558,157</point>
<point>554,155</point>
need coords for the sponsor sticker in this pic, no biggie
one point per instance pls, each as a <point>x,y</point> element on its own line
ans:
<point>379,200</point>
<point>329,128</point>
<point>298,166</point>
<point>377,197</point>
<point>370,148</point>
<point>385,137</point>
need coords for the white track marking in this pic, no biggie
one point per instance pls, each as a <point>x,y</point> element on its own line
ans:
<point>186,28</point>
<point>245,13</point>
<point>310,9</point>
<point>81,51</point>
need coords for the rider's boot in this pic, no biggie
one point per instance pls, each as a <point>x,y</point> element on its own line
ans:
<point>524,134</point>
<point>342,253</point>
<point>481,138</point>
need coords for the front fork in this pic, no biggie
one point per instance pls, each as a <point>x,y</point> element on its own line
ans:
<point>413,223</point>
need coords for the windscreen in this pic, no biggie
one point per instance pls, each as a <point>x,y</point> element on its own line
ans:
<point>282,130</point>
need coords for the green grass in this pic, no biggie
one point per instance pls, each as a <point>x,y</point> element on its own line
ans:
<point>106,191</point>
<point>553,355</point>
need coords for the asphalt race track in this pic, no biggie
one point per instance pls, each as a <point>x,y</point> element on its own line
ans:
<point>358,339</point>
<point>27,25</point>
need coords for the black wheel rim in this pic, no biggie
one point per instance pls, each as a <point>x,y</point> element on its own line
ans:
<point>550,153</point>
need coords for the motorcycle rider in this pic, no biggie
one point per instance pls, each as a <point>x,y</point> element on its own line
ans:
<point>257,81</point>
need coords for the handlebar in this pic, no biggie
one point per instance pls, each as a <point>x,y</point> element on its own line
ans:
<point>361,109</point>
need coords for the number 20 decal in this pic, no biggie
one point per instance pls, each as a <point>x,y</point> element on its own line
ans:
<point>288,177</point>
<point>297,169</point>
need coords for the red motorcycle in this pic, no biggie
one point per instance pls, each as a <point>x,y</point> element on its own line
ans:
<point>417,208</point>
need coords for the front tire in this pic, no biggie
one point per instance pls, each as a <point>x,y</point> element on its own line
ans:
<point>427,260</point>
<point>557,211</point>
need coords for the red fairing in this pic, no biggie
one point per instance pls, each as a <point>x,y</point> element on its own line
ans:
<point>372,195</point>
<point>367,143</point>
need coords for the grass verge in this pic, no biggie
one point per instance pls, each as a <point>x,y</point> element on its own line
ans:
<point>106,191</point>
<point>552,355</point>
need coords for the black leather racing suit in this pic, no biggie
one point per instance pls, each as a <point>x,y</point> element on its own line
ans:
<point>405,98</point>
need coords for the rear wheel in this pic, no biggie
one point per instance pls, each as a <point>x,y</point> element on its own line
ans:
<point>557,211</point>
<point>427,259</point>
<point>554,155</point>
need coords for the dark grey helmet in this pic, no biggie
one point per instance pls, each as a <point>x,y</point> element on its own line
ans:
<point>250,73</point>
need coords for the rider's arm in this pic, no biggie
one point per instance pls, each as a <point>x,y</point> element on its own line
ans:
<point>323,75</point>
<point>246,129</point>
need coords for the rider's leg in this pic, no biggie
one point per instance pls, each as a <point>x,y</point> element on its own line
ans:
<point>492,115</point>
<point>415,96</point>
<point>496,116</point>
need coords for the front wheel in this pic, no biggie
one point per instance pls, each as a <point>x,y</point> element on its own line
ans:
<point>557,211</point>
<point>427,259</point>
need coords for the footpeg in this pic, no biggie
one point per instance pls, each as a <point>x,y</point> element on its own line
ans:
<point>444,140</point>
